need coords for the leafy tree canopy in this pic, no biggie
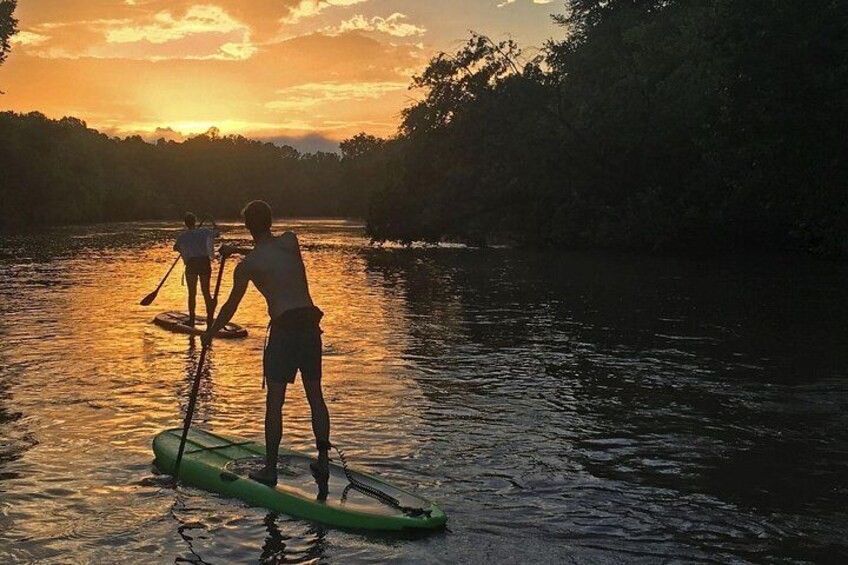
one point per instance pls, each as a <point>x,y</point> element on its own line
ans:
<point>8,26</point>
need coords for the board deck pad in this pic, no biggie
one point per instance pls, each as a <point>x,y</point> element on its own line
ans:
<point>295,477</point>
<point>221,464</point>
<point>178,322</point>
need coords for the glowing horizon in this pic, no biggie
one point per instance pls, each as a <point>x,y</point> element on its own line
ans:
<point>283,70</point>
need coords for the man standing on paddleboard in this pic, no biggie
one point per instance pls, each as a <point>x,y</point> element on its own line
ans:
<point>196,246</point>
<point>275,266</point>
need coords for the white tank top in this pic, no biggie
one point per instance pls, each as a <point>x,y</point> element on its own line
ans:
<point>197,242</point>
<point>276,269</point>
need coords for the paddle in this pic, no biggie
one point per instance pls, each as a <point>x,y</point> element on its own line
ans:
<point>148,300</point>
<point>196,386</point>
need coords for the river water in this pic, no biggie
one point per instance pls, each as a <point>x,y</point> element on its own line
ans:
<point>561,408</point>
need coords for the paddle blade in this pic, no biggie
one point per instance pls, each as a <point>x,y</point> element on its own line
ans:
<point>148,300</point>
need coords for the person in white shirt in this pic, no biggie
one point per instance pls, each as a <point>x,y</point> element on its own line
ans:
<point>196,246</point>
<point>275,266</point>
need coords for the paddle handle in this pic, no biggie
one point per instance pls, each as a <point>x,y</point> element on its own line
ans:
<point>195,387</point>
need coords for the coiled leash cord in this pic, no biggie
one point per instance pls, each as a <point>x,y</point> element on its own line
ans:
<point>375,493</point>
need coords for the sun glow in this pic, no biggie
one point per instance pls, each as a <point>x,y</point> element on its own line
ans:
<point>265,68</point>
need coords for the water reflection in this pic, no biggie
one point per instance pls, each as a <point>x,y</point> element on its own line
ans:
<point>187,532</point>
<point>275,549</point>
<point>204,411</point>
<point>562,407</point>
<point>640,374</point>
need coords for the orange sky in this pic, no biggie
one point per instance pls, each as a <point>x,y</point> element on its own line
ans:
<point>276,69</point>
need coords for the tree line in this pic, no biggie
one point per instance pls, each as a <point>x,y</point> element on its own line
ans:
<point>651,124</point>
<point>61,171</point>
<point>654,124</point>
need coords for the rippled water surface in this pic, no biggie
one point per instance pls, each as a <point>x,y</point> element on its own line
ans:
<point>560,407</point>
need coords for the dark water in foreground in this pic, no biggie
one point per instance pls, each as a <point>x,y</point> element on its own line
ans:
<point>562,408</point>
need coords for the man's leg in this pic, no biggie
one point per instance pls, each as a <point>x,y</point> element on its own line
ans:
<point>207,297</point>
<point>321,429</point>
<point>274,400</point>
<point>320,414</point>
<point>191,284</point>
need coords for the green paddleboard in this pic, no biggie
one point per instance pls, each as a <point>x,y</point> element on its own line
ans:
<point>220,464</point>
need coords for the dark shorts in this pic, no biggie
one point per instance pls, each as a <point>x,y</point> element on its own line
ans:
<point>294,344</point>
<point>198,267</point>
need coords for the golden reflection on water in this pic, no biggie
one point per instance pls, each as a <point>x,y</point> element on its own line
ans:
<point>96,380</point>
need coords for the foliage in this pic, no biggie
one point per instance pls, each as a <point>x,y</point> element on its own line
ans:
<point>8,26</point>
<point>60,171</point>
<point>653,124</point>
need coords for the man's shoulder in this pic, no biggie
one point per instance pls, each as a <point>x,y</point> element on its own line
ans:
<point>288,239</point>
<point>249,258</point>
<point>246,265</point>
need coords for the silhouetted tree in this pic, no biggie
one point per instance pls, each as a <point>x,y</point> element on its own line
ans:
<point>8,26</point>
<point>59,171</point>
<point>653,124</point>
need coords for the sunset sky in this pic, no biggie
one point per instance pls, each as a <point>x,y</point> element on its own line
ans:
<point>300,71</point>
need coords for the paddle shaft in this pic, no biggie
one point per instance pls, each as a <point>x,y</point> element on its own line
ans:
<point>195,388</point>
<point>168,274</point>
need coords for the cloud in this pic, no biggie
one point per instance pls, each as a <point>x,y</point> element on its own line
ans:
<point>508,2</point>
<point>305,143</point>
<point>310,143</point>
<point>169,134</point>
<point>308,96</point>
<point>311,8</point>
<point>28,38</point>
<point>201,32</point>
<point>165,27</point>
<point>393,25</point>
<point>57,40</point>
<point>88,24</point>
<point>238,51</point>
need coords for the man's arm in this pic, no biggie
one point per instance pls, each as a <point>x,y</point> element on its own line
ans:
<point>227,250</point>
<point>240,279</point>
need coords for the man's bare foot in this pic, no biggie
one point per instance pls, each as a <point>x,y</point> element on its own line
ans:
<point>265,476</point>
<point>321,471</point>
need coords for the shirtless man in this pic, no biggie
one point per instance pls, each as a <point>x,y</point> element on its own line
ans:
<point>196,246</point>
<point>275,267</point>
